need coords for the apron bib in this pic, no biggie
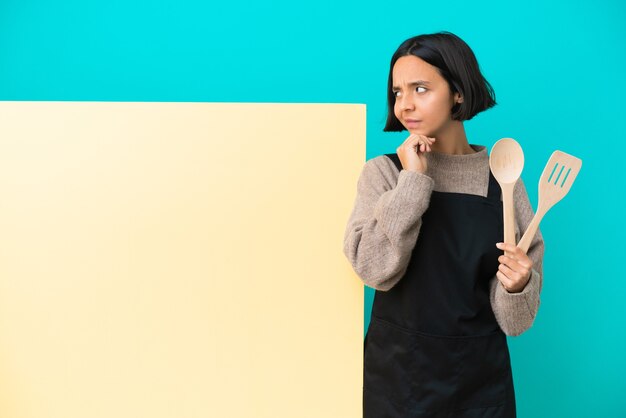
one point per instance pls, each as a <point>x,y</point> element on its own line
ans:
<point>433,347</point>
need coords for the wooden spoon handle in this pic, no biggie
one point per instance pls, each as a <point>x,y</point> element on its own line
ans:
<point>508,214</point>
<point>524,243</point>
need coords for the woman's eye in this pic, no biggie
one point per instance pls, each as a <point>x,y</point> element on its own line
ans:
<point>395,93</point>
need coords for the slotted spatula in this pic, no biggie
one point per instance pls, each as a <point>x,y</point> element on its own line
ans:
<point>557,178</point>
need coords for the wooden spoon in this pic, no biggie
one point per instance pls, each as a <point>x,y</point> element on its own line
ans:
<point>557,178</point>
<point>507,162</point>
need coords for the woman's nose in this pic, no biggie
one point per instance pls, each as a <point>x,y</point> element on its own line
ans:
<point>406,103</point>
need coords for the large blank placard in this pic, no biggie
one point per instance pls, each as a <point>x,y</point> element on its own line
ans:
<point>178,260</point>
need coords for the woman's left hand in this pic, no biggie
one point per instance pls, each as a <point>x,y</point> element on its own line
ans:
<point>515,268</point>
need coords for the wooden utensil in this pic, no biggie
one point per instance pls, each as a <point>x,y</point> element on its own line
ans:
<point>557,178</point>
<point>506,163</point>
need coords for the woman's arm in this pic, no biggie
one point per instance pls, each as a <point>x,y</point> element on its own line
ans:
<point>516,312</point>
<point>385,222</point>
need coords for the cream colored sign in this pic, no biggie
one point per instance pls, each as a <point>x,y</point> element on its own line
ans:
<point>178,260</point>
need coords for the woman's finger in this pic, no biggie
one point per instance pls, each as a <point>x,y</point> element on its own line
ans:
<point>512,275</point>
<point>411,139</point>
<point>506,282</point>
<point>426,140</point>
<point>516,253</point>
<point>419,138</point>
<point>513,265</point>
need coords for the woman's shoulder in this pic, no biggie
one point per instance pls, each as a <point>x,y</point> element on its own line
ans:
<point>385,163</point>
<point>520,194</point>
<point>386,171</point>
<point>385,166</point>
<point>380,172</point>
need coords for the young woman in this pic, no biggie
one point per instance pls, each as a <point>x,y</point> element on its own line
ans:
<point>426,232</point>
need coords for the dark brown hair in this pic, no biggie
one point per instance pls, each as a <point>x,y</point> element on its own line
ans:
<point>456,63</point>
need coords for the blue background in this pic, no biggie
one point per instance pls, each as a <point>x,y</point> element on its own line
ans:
<point>557,69</point>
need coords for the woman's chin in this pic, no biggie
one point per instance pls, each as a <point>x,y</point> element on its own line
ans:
<point>418,131</point>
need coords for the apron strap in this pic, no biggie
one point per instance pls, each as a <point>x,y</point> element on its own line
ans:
<point>396,160</point>
<point>494,191</point>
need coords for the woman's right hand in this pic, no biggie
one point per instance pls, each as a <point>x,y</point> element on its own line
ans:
<point>411,152</point>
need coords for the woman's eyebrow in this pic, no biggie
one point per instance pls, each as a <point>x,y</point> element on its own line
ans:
<point>414,83</point>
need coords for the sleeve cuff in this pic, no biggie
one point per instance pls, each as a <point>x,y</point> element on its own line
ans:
<point>415,185</point>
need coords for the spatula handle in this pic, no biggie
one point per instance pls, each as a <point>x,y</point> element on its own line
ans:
<point>524,243</point>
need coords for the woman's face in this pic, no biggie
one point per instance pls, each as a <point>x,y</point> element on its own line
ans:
<point>423,95</point>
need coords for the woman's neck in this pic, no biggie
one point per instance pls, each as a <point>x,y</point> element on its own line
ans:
<point>452,140</point>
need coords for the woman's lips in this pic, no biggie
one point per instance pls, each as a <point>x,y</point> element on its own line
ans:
<point>413,122</point>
